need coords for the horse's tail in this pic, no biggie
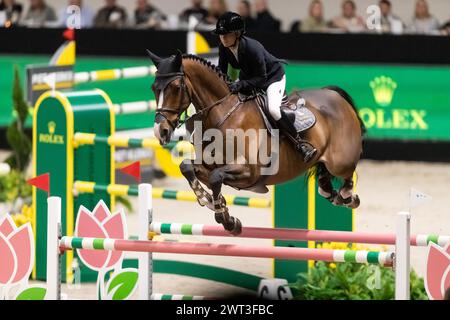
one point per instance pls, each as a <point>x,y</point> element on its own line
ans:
<point>344,94</point>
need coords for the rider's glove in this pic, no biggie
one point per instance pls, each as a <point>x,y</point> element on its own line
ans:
<point>235,87</point>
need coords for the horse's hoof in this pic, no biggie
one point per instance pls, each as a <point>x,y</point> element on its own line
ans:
<point>337,200</point>
<point>237,230</point>
<point>218,217</point>
<point>332,197</point>
<point>234,226</point>
<point>355,202</point>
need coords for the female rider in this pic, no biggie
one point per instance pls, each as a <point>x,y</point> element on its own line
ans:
<point>258,70</point>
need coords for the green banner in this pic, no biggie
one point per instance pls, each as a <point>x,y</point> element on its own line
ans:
<point>395,102</point>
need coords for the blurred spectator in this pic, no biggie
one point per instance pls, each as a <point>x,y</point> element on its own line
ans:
<point>148,16</point>
<point>110,16</point>
<point>216,9</point>
<point>197,10</point>
<point>445,30</point>
<point>39,14</point>
<point>12,12</point>
<point>245,10</point>
<point>315,22</point>
<point>390,23</point>
<point>296,26</point>
<point>423,21</point>
<point>264,19</point>
<point>87,16</point>
<point>349,20</point>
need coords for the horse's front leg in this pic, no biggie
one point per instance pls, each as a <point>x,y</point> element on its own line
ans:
<point>228,174</point>
<point>192,172</point>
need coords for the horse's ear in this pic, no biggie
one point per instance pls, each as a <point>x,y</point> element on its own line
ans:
<point>156,60</point>
<point>178,60</point>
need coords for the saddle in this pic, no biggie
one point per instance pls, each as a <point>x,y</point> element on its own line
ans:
<point>295,108</point>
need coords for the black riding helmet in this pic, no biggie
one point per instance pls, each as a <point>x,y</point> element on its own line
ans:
<point>229,22</point>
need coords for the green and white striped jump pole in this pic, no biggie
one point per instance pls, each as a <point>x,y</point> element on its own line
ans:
<point>288,234</point>
<point>230,250</point>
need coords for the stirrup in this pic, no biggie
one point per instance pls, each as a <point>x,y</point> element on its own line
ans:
<point>308,154</point>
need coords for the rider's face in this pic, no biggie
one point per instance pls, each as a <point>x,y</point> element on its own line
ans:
<point>228,39</point>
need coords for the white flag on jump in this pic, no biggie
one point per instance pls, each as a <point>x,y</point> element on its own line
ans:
<point>417,197</point>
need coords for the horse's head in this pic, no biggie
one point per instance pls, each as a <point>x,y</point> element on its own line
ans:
<point>172,94</point>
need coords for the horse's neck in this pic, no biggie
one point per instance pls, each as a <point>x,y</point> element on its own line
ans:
<point>207,87</point>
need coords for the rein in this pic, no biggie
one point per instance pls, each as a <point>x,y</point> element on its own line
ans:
<point>204,113</point>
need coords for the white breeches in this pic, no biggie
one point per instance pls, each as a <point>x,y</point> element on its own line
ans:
<point>275,94</point>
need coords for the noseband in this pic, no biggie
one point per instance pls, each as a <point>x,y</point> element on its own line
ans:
<point>160,112</point>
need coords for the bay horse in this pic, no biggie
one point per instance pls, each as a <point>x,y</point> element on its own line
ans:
<point>337,134</point>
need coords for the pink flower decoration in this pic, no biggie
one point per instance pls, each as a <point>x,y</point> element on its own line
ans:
<point>100,223</point>
<point>16,251</point>
<point>437,279</point>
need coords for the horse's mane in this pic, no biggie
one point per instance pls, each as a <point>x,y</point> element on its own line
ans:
<point>209,65</point>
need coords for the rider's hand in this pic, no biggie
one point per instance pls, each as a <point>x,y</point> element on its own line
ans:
<point>235,87</point>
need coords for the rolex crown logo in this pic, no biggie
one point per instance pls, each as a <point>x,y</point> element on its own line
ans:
<point>51,127</point>
<point>383,89</point>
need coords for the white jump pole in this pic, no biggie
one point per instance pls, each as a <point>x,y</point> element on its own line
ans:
<point>145,261</point>
<point>191,45</point>
<point>402,256</point>
<point>53,256</point>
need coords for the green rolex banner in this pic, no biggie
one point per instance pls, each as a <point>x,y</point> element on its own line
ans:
<point>395,102</point>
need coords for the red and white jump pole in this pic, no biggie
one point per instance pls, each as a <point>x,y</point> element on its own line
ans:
<point>295,234</point>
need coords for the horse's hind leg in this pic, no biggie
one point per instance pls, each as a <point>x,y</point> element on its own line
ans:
<point>345,195</point>
<point>325,188</point>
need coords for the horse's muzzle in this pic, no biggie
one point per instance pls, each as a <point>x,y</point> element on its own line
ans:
<point>163,133</point>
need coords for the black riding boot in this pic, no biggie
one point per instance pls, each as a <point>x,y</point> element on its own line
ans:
<point>307,150</point>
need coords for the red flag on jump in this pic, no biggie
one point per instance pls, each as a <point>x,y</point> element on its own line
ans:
<point>41,182</point>
<point>134,170</point>
<point>69,34</point>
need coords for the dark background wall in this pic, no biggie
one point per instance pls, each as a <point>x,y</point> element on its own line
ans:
<point>345,48</point>
<point>366,48</point>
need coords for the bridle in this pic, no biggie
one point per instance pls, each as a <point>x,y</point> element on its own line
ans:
<point>170,77</point>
